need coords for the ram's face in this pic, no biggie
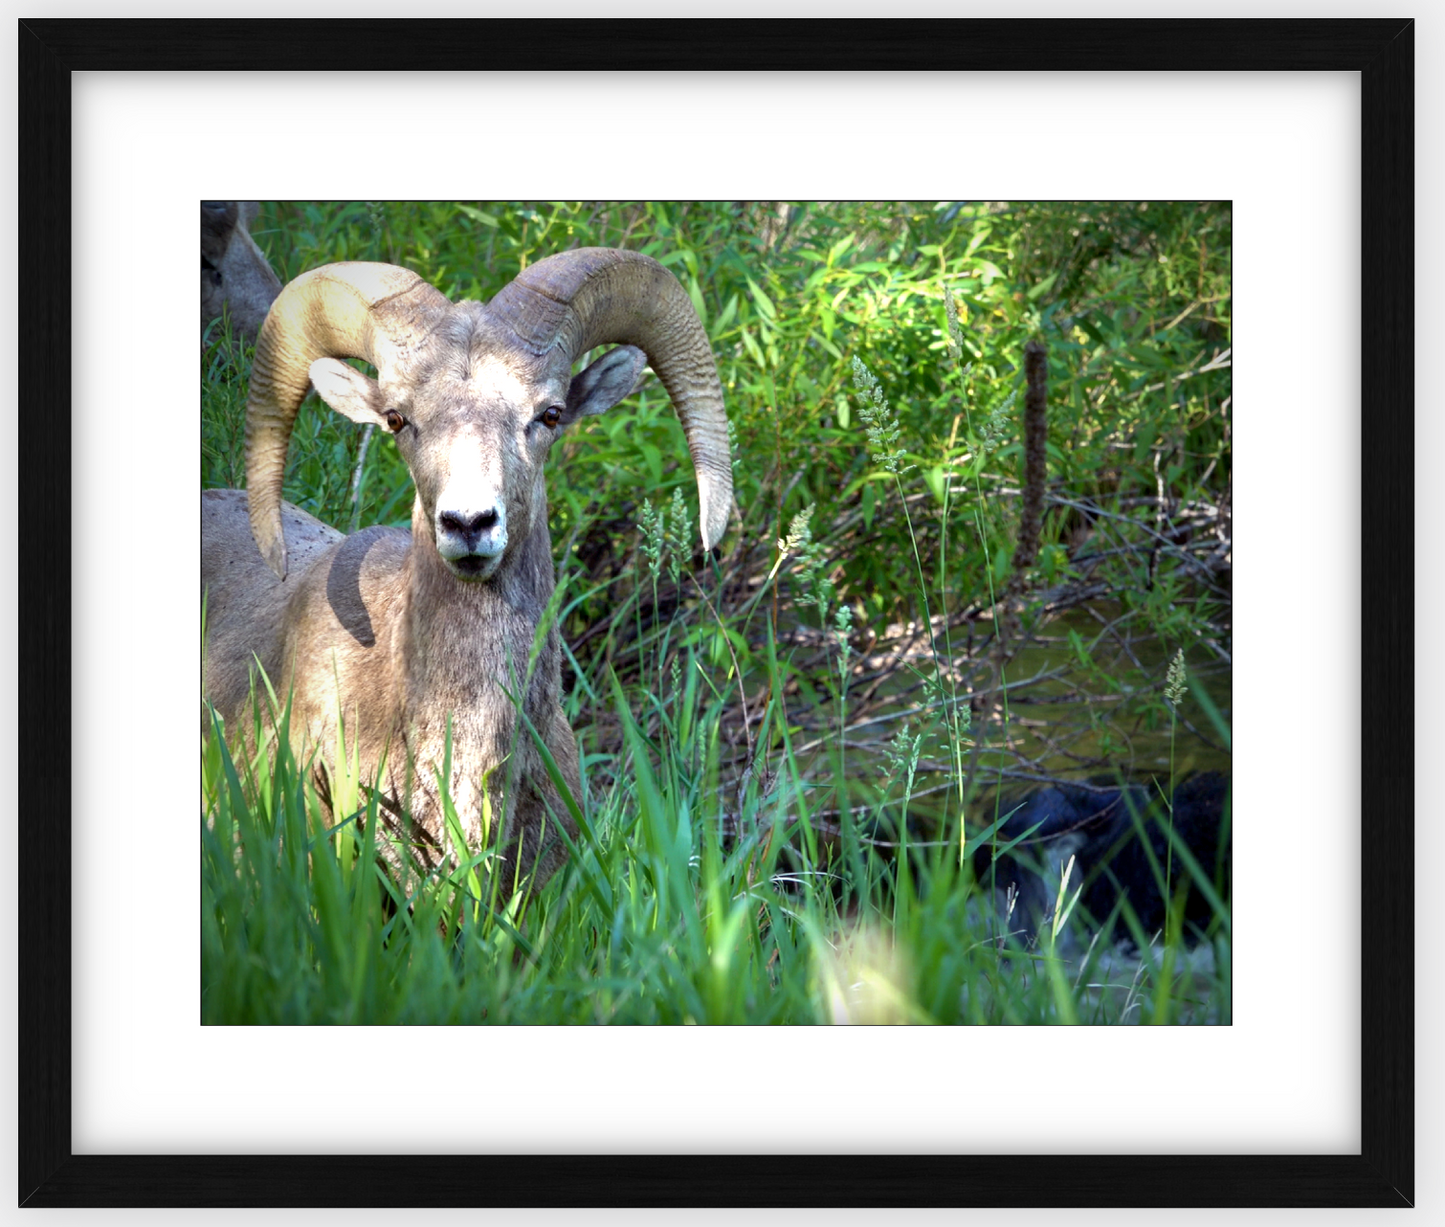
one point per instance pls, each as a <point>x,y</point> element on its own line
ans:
<point>475,435</point>
<point>474,421</point>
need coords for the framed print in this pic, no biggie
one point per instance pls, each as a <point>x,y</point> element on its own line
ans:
<point>842,77</point>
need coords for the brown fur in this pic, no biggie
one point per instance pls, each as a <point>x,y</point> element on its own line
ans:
<point>406,637</point>
<point>388,622</point>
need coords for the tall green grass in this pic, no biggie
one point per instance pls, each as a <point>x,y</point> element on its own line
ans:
<point>673,908</point>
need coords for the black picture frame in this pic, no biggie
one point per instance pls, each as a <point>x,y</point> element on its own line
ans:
<point>1382,51</point>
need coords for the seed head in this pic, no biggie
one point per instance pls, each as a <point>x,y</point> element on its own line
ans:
<point>880,421</point>
<point>679,535</point>
<point>843,629</point>
<point>650,525</point>
<point>811,562</point>
<point>955,329</point>
<point>1174,687</point>
<point>902,752</point>
<point>996,426</point>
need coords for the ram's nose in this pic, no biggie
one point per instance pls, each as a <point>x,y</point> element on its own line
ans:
<point>472,540</point>
<point>469,526</point>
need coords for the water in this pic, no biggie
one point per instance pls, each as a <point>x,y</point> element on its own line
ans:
<point>1085,703</point>
<point>1105,713</point>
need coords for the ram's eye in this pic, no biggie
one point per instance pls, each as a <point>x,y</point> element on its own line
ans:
<point>394,421</point>
<point>552,416</point>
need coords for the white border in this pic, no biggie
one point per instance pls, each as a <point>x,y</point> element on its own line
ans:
<point>147,1079</point>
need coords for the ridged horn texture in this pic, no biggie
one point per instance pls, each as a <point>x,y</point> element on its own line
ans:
<point>599,296</point>
<point>349,310</point>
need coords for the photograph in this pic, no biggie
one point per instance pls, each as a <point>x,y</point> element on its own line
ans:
<point>716,612</point>
<point>709,523</point>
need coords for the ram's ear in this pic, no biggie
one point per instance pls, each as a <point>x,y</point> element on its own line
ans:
<point>348,391</point>
<point>605,382</point>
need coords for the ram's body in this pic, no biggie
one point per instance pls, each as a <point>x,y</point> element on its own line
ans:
<point>413,640</point>
<point>237,281</point>
<point>339,639</point>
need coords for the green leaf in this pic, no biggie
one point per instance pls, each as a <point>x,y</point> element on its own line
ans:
<point>694,292</point>
<point>478,216</point>
<point>729,312</point>
<point>765,304</point>
<point>751,346</point>
<point>1043,286</point>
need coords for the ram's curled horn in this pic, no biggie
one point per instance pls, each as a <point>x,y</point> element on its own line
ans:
<point>598,296</point>
<point>348,310</point>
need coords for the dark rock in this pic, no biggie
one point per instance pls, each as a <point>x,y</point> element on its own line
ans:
<point>1101,827</point>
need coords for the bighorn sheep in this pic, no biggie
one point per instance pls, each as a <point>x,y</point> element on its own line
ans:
<point>406,635</point>
<point>236,278</point>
